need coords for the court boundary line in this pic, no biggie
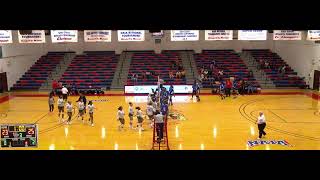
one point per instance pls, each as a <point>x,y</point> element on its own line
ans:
<point>252,119</point>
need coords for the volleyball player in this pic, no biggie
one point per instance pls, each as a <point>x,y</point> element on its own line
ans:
<point>81,110</point>
<point>171,93</point>
<point>198,92</point>
<point>235,90</point>
<point>131,113</point>
<point>222,90</point>
<point>149,98</point>
<point>51,102</point>
<point>120,117</point>
<point>155,104</point>
<point>140,118</point>
<point>90,109</point>
<point>60,107</point>
<point>194,89</point>
<point>69,111</point>
<point>84,100</point>
<point>150,112</point>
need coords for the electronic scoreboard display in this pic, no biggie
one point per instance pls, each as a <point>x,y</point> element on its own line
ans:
<point>19,135</point>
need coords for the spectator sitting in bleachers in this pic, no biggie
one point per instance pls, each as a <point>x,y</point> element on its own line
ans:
<point>148,74</point>
<point>212,64</point>
<point>205,72</point>
<point>266,64</point>
<point>283,70</point>
<point>183,73</point>
<point>178,75</point>
<point>260,65</point>
<point>171,76</point>
<point>201,70</point>
<point>173,64</point>
<point>134,77</point>
<point>250,75</point>
<point>200,78</point>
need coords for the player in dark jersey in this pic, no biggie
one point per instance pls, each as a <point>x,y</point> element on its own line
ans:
<point>171,93</point>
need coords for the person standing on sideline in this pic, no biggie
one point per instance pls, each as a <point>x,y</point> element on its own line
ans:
<point>171,93</point>
<point>194,89</point>
<point>120,118</point>
<point>261,124</point>
<point>198,92</point>
<point>64,91</point>
<point>51,102</point>
<point>159,125</point>
<point>228,87</point>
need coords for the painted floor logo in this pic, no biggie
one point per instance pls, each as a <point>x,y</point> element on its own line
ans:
<point>253,143</point>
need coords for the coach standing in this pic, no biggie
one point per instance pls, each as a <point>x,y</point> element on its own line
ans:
<point>261,124</point>
<point>64,91</point>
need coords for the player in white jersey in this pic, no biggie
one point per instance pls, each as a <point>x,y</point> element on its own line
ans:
<point>81,109</point>
<point>69,111</point>
<point>120,118</point>
<point>131,113</point>
<point>60,107</point>
<point>90,108</point>
<point>150,112</point>
<point>51,102</point>
<point>149,98</point>
<point>155,104</point>
<point>140,118</point>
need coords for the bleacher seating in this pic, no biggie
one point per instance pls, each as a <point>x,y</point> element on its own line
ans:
<point>158,64</point>
<point>94,68</point>
<point>39,72</point>
<point>226,60</point>
<point>289,79</point>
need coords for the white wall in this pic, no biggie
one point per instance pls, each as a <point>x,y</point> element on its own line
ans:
<point>17,58</point>
<point>299,55</point>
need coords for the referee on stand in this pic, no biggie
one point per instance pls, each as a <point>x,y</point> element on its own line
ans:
<point>159,121</point>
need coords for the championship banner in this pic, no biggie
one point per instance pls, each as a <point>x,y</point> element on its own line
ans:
<point>37,36</point>
<point>184,35</point>
<point>313,35</point>
<point>252,35</point>
<point>59,36</point>
<point>158,35</point>
<point>286,35</point>
<point>97,35</point>
<point>211,35</point>
<point>5,36</point>
<point>131,35</point>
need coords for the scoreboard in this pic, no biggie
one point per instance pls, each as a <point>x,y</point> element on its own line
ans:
<point>19,135</point>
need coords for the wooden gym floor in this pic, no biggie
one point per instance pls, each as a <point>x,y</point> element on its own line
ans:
<point>209,124</point>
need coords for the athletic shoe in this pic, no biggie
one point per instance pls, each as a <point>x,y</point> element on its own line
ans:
<point>92,124</point>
